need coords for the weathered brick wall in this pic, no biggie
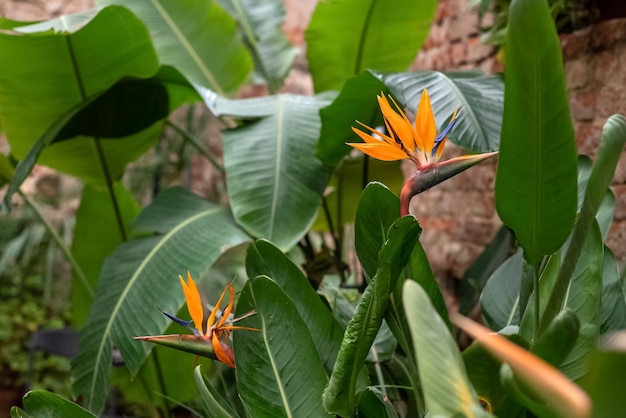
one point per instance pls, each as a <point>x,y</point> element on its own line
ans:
<point>458,216</point>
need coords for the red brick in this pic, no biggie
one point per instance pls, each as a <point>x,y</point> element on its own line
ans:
<point>477,51</point>
<point>620,202</point>
<point>611,100</point>
<point>576,73</point>
<point>606,33</point>
<point>463,26</point>
<point>458,53</point>
<point>605,67</point>
<point>620,170</point>
<point>576,43</point>
<point>587,137</point>
<point>617,241</point>
<point>583,105</point>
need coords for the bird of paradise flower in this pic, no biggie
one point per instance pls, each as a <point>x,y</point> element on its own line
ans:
<point>215,331</point>
<point>417,142</point>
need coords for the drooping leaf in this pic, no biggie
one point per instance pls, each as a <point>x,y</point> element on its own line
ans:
<point>279,372</point>
<point>481,97</point>
<point>447,389</point>
<point>374,404</point>
<point>196,37</point>
<point>55,72</point>
<point>536,177</point>
<point>340,395</point>
<point>261,23</point>
<point>263,258</point>
<point>346,37</point>
<point>214,405</point>
<point>44,404</point>
<point>96,235</point>
<point>613,309</point>
<point>611,146</point>
<point>604,216</point>
<point>141,276</point>
<point>475,278</point>
<point>275,182</point>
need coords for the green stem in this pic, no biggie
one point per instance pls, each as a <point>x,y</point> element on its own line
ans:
<point>161,379</point>
<point>537,269</point>
<point>59,241</point>
<point>109,183</point>
<point>197,145</point>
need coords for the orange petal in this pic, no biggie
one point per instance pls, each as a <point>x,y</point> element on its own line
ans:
<point>425,124</point>
<point>222,351</point>
<point>370,138</point>
<point>381,151</point>
<point>399,123</point>
<point>229,307</point>
<point>211,319</point>
<point>194,303</point>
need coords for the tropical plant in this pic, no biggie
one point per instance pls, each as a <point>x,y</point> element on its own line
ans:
<point>388,351</point>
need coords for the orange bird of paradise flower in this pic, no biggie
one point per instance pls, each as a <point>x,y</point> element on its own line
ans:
<point>215,330</point>
<point>417,142</point>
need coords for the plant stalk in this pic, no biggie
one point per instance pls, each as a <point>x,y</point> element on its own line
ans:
<point>194,142</point>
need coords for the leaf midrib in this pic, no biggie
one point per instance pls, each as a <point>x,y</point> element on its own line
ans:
<point>187,46</point>
<point>277,169</point>
<point>131,282</point>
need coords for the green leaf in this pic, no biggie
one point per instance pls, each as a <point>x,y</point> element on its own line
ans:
<point>611,146</point>
<point>604,383</point>
<point>340,394</point>
<point>279,372</point>
<point>559,338</point>
<point>214,405</point>
<point>475,278</point>
<point>478,130</point>
<point>378,208</point>
<point>264,259</point>
<point>96,236</point>
<point>604,216</point>
<point>275,182</point>
<point>447,389</point>
<point>536,178</point>
<point>374,404</point>
<point>141,276</point>
<point>196,37</point>
<point>613,309</point>
<point>346,37</point>
<point>44,404</point>
<point>500,298</point>
<point>261,23</point>
<point>55,72</point>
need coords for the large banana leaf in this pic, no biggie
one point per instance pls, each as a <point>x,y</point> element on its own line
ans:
<point>340,396</point>
<point>346,37</point>
<point>536,179</point>
<point>613,310</point>
<point>96,235</point>
<point>261,23</point>
<point>44,404</point>
<point>275,182</point>
<point>54,72</point>
<point>141,276</point>
<point>197,37</point>
<point>264,259</point>
<point>279,371</point>
<point>480,96</point>
<point>447,389</point>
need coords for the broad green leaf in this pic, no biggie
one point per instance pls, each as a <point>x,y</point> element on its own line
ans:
<point>340,394</point>
<point>44,404</point>
<point>196,37</point>
<point>604,216</point>
<point>447,389</point>
<point>15,411</point>
<point>499,301</point>
<point>265,259</point>
<point>559,338</point>
<point>141,276</point>
<point>377,210</point>
<point>279,372</point>
<point>346,37</point>
<point>55,72</point>
<point>475,278</point>
<point>96,235</point>
<point>536,178</point>
<point>275,182</point>
<point>611,146</point>
<point>604,383</point>
<point>375,404</point>
<point>261,23</point>
<point>613,309</point>
<point>478,130</point>
<point>214,405</point>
